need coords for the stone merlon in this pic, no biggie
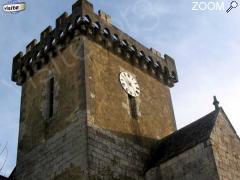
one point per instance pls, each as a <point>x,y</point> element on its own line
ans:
<point>83,21</point>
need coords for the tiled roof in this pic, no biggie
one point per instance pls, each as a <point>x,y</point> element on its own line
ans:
<point>183,139</point>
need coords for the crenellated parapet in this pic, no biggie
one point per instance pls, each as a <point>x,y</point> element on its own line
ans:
<point>98,28</point>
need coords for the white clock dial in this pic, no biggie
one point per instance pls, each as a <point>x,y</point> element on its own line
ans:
<point>129,84</point>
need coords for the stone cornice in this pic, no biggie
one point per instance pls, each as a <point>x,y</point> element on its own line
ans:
<point>83,21</point>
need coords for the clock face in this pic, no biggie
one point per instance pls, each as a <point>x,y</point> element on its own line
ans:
<point>129,84</point>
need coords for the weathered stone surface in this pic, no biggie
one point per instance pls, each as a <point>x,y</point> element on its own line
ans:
<point>69,98</point>
<point>109,143</point>
<point>63,156</point>
<point>196,163</point>
<point>109,107</point>
<point>91,133</point>
<point>98,27</point>
<point>53,148</point>
<point>216,157</point>
<point>112,157</point>
<point>226,148</point>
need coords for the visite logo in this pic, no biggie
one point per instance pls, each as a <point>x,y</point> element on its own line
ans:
<point>14,6</point>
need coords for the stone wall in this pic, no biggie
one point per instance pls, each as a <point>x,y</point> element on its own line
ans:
<point>69,96</point>
<point>112,157</point>
<point>54,147</point>
<point>108,104</point>
<point>62,157</point>
<point>226,148</point>
<point>118,145</point>
<point>91,127</point>
<point>91,130</point>
<point>196,163</point>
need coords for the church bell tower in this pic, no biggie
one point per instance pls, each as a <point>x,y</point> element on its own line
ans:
<point>94,100</point>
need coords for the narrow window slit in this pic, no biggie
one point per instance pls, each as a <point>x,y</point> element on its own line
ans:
<point>51,97</point>
<point>133,106</point>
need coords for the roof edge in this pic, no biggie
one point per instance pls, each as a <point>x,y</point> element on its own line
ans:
<point>154,162</point>
<point>229,122</point>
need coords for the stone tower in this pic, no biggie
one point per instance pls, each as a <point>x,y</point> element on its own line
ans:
<point>94,100</point>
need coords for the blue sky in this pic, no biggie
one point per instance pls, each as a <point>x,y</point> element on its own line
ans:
<point>204,44</point>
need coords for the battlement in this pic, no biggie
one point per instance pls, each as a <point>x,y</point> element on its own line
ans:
<point>98,28</point>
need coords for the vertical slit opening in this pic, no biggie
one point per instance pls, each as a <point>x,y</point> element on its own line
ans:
<point>133,106</point>
<point>51,97</point>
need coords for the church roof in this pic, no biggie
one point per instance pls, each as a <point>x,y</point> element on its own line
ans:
<point>184,139</point>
